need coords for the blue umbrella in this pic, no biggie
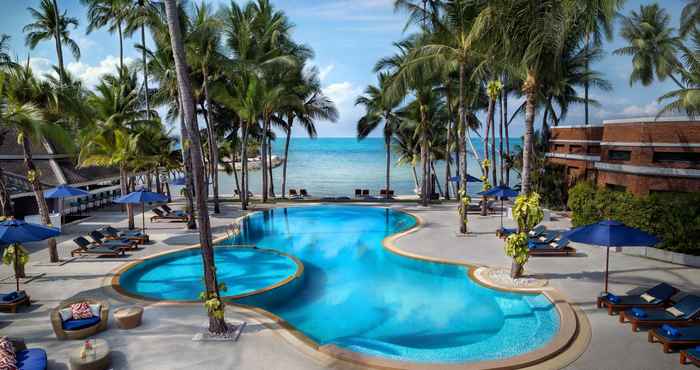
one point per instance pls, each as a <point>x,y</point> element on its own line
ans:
<point>18,231</point>
<point>64,191</point>
<point>179,181</point>
<point>470,178</point>
<point>611,234</point>
<point>500,191</point>
<point>143,197</point>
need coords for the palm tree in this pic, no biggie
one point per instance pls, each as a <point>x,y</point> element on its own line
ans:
<point>596,20</point>
<point>111,13</point>
<point>5,59</point>
<point>653,45</point>
<point>690,17</point>
<point>49,23</point>
<point>142,14</point>
<point>687,100</point>
<point>213,302</point>
<point>380,107</point>
<point>20,96</point>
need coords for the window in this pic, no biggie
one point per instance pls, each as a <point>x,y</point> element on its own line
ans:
<point>559,147</point>
<point>619,155</point>
<point>686,157</point>
<point>615,187</point>
<point>594,149</point>
<point>575,149</point>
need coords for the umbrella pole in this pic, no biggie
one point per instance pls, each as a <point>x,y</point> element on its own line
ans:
<point>501,213</point>
<point>16,264</point>
<point>607,263</point>
<point>143,216</point>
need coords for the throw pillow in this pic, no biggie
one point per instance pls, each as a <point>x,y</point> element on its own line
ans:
<point>66,314</point>
<point>648,297</point>
<point>95,309</point>
<point>675,312</point>
<point>81,310</point>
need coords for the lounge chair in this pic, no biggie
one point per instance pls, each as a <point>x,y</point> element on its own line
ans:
<point>133,235</point>
<point>669,335</point>
<point>170,211</point>
<point>390,193</point>
<point>365,192</point>
<point>28,358</point>
<point>691,356</point>
<point>504,232</point>
<point>83,328</point>
<point>656,297</point>
<point>303,193</point>
<point>10,301</point>
<point>554,248</point>
<point>545,237</point>
<point>537,231</point>
<point>101,240</point>
<point>85,247</point>
<point>683,313</point>
<point>358,193</point>
<point>160,215</point>
<point>293,193</point>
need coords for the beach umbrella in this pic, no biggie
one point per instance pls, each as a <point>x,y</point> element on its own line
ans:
<point>470,178</point>
<point>18,231</point>
<point>143,197</point>
<point>608,234</point>
<point>64,191</point>
<point>500,191</point>
<point>178,181</point>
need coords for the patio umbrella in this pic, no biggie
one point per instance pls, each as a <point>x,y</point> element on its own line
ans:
<point>18,231</point>
<point>143,197</point>
<point>500,191</point>
<point>64,191</point>
<point>611,234</point>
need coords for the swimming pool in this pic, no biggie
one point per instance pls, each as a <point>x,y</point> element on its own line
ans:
<point>360,297</point>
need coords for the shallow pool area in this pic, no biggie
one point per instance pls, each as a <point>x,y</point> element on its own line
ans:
<point>358,296</point>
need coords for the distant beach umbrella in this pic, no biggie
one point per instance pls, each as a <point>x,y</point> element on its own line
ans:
<point>470,178</point>
<point>143,197</point>
<point>18,231</point>
<point>500,191</point>
<point>611,234</point>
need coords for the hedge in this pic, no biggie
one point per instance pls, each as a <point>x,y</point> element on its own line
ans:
<point>673,217</point>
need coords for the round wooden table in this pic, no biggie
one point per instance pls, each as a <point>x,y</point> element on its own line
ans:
<point>128,317</point>
<point>98,358</point>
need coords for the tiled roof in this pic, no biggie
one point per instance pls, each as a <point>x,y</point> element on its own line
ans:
<point>9,146</point>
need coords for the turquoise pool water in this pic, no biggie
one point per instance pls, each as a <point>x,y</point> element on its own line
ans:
<point>178,276</point>
<point>358,296</point>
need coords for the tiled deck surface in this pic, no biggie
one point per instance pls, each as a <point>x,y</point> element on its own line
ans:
<point>164,339</point>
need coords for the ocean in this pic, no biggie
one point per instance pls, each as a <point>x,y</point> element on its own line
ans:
<point>338,166</point>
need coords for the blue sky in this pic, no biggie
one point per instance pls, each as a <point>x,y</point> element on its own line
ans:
<point>348,37</point>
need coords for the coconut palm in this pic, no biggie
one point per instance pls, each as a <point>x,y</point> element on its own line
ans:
<point>652,44</point>
<point>212,298</point>
<point>380,108</point>
<point>686,100</point>
<point>111,13</point>
<point>48,24</point>
<point>690,17</point>
<point>5,59</point>
<point>142,14</point>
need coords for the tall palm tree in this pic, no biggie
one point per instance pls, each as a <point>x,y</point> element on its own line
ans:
<point>652,44</point>
<point>48,24</point>
<point>6,61</point>
<point>111,13</point>
<point>596,21</point>
<point>142,14</point>
<point>21,96</point>
<point>380,108</point>
<point>690,17</point>
<point>213,302</point>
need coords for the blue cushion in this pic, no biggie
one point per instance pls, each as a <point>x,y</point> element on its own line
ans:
<point>31,359</point>
<point>638,312</point>
<point>14,296</point>
<point>662,292</point>
<point>73,324</point>
<point>670,330</point>
<point>613,298</point>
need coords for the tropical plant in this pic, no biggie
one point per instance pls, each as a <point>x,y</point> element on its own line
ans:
<point>17,256</point>
<point>48,24</point>
<point>6,61</point>
<point>111,13</point>
<point>528,214</point>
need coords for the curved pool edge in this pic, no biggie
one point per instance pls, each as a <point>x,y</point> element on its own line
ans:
<point>570,323</point>
<point>115,284</point>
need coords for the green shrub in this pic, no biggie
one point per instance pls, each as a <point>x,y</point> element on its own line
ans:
<point>673,217</point>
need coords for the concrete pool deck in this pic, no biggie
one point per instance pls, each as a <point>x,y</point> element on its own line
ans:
<point>164,339</point>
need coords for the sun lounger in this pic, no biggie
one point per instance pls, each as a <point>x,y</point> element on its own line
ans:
<point>537,231</point>
<point>358,193</point>
<point>85,247</point>
<point>10,301</point>
<point>160,215</point>
<point>133,235</point>
<point>545,237</point>
<point>303,193</point>
<point>554,248</point>
<point>656,297</point>
<point>365,192</point>
<point>683,313</point>
<point>293,193</point>
<point>391,193</point>
<point>102,240</point>
<point>691,356</point>
<point>669,335</point>
<point>170,211</point>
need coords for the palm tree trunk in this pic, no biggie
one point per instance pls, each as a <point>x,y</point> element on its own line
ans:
<point>493,147</point>
<point>437,181</point>
<point>448,155</point>
<point>145,71</point>
<point>500,139</point>
<point>5,201</point>
<point>217,324</point>
<point>213,146</point>
<point>424,156</point>
<point>489,124</point>
<point>586,87</point>
<point>235,175</point>
<point>290,122</point>
<point>59,47</point>
<point>530,89</point>
<point>387,144</point>
<point>271,182</point>
<point>189,183</point>
<point>244,168</point>
<point>415,175</point>
<point>121,48</point>
<point>263,159</point>
<point>33,177</point>
<point>505,129</point>
<point>462,129</point>
<point>159,187</point>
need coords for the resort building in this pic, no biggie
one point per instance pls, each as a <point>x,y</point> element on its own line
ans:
<point>639,155</point>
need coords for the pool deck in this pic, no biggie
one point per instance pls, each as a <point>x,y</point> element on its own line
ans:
<point>164,339</point>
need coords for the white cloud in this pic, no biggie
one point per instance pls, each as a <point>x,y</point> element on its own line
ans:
<point>90,74</point>
<point>325,71</point>
<point>41,66</point>
<point>350,10</point>
<point>636,110</point>
<point>343,94</point>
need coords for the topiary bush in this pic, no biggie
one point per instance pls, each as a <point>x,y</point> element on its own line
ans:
<point>673,217</point>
